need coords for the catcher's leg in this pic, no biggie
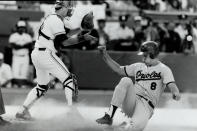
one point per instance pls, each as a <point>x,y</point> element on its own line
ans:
<point>70,85</point>
<point>119,95</point>
<point>60,71</point>
<point>36,93</point>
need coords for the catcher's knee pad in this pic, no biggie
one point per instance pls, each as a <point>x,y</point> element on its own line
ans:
<point>71,83</point>
<point>41,90</point>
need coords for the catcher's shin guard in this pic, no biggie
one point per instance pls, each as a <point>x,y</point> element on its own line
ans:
<point>71,83</point>
<point>41,90</point>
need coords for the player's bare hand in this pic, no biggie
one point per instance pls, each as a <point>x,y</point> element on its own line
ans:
<point>87,36</point>
<point>176,96</point>
<point>102,48</point>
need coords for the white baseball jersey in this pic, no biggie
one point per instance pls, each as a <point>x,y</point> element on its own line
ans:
<point>51,27</point>
<point>5,73</point>
<point>20,39</point>
<point>125,32</point>
<point>47,62</point>
<point>150,82</point>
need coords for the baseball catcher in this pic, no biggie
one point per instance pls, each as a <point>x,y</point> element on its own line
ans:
<point>53,35</point>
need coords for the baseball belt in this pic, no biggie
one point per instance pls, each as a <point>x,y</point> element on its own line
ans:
<point>149,102</point>
<point>41,49</point>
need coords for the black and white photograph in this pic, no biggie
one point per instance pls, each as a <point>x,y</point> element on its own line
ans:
<point>98,65</point>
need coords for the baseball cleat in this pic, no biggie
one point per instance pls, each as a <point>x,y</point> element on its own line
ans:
<point>106,119</point>
<point>4,122</point>
<point>25,115</point>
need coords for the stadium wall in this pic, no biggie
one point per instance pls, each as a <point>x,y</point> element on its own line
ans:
<point>93,73</point>
<point>10,17</point>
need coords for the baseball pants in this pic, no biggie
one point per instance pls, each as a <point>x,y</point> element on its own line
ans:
<point>132,105</point>
<point>47,62</point>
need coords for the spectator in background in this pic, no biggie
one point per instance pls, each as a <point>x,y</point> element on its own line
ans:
<point>84,2</point>
<point>142,4</point>
<point>162,31</point>
<point>103,36</point>
<point>124,36</point>
<point>194,30</point>
<point>192,5</point>
<point>180,28</point>
<point>28,28</point>
<point>160,5</point>
<point>108,12</point>
<point>20,43</point>
<point>5,73</point>
<point>96,2</point>
<point>172,40</point>
<point>188,45</point>
<point>151,31</point>
<point>140,36</point>
<point>176,4</point>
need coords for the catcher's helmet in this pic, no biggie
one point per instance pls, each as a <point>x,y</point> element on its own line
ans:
<point>69,4</point>
<point>149,47</point>
<point>65,3</point>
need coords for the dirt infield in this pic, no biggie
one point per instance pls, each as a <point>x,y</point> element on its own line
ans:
<point>57,117</point>
<point>52,114</point>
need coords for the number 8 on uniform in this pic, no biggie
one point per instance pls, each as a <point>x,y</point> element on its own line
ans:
<point>153,85</point>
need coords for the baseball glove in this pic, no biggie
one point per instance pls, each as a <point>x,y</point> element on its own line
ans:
<point>87,21</point>
<point>76,91</point>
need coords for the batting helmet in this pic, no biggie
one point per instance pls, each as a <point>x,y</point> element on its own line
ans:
<point>151,48</point>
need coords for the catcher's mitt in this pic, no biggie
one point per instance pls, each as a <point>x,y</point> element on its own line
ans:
<point>87,21</point>
<point>76,91</point>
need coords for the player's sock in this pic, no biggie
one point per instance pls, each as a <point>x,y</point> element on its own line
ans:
<point>34,95</point>
<point>112,110</point>
<point>68,93</point>
<point>31,98</point>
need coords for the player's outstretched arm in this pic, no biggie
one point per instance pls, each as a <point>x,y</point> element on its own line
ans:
<point>175,91</point>
<point>79,39</point>
<point>110,62</point>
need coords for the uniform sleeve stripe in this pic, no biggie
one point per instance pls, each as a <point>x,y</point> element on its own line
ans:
<point>170,82</point>
<point>125,71</point>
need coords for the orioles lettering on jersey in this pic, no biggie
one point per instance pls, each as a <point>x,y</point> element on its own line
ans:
<point>147,76</point>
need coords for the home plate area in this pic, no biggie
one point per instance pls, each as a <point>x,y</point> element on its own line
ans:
<point>50,115</point>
